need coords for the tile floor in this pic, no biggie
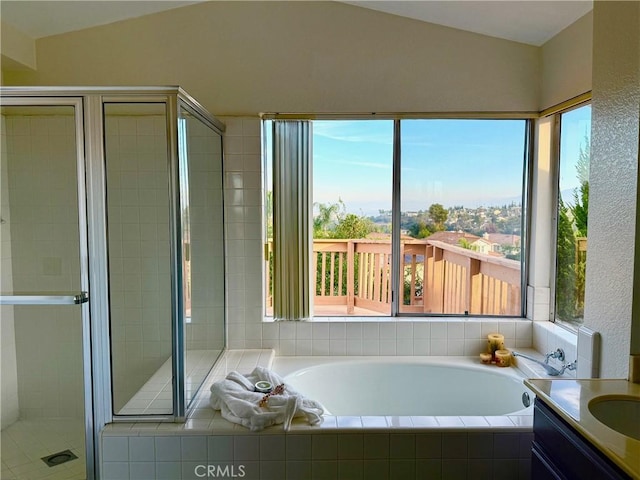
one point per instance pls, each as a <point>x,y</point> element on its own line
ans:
<point>155,396</point>
<point>25,442</point>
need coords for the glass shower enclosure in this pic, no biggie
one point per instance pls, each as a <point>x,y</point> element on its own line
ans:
<point>112,278</point>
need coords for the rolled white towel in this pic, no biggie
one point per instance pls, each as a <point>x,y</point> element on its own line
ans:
<point>239,403</point>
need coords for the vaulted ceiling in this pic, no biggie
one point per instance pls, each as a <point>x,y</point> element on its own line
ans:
<point>527,21</point>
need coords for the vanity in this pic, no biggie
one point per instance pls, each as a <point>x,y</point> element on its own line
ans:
<point>585,429</point>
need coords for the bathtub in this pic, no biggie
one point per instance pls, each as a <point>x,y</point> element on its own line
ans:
<point>406,386</point>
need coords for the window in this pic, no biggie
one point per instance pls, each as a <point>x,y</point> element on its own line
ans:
<point>572,214</point>
<point>461,216</point>
<point>456,221</point>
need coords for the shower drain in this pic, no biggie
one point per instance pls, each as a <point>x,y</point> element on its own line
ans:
<point>58,458</point>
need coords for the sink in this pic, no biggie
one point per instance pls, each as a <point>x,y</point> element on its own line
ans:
<point>619,412</point>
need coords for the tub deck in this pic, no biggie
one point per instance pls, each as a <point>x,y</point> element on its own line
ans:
<point>342,447</point>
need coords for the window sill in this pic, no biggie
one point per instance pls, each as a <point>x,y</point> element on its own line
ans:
<point>416,319</point>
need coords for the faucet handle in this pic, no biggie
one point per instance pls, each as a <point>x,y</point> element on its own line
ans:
<point>559,354</point>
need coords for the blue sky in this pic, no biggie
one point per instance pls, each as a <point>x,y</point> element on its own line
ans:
<point>453,162</point>
<point>574,125</point>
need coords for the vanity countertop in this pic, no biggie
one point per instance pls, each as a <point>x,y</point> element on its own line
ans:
<point>570,398</point>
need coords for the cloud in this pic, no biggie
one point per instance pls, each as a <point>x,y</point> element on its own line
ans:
<point>355,131</point>
<point>358,163</point>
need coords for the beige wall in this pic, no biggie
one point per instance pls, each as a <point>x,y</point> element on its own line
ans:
<point>18,48</point>
<point>8,361</point>
<point>249,57</point>
<point>567,63</point>
<point>613,194</point>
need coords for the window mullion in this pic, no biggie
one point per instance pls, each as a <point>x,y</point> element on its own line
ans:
<point>396,292</point>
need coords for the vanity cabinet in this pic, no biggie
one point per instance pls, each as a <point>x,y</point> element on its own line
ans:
<point>559,452</point>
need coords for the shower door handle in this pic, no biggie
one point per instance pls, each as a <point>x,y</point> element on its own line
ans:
<point>82,297</point>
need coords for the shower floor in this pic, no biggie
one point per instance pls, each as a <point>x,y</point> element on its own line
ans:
<point>155,396</point>
<point>25,442</point>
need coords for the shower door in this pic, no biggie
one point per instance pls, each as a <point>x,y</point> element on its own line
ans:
<point>46,375</point>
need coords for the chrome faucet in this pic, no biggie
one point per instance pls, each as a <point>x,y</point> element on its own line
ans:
<point>554,372</point>
<point>559,354</point>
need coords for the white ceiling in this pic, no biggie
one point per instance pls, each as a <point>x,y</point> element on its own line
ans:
<point>527,21</point>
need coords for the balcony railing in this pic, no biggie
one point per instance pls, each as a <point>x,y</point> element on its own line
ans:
<point>355,276</point>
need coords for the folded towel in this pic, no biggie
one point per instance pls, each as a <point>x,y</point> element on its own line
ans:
<point>239,403</point>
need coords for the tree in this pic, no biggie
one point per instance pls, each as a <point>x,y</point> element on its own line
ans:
<point>565,265</point>
<point>353,226</point>
<point>572,224</point>
<point>464,243</point>
<point>438,215</point>
<point>420,229</point>
<point>580,209</point>
<point>327,218</point>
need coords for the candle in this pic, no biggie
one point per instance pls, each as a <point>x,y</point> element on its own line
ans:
<point>495,342</point>
<point>503,358</point>
<point>485,357</point>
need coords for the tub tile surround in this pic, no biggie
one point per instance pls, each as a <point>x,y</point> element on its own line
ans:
<point>336,336</point>
<point>341,447</point>
<point>548,337</point>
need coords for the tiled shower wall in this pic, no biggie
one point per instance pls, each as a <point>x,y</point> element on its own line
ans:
<point>139,249</point>
<point>243,220</point>
<point>10,406</point>
<point>41,170</point>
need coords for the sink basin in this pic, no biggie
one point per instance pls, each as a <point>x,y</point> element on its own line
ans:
<point>619,412</point>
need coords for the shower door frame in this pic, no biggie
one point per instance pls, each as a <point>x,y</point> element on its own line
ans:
<point>92,211</point>
<point>19,97</point>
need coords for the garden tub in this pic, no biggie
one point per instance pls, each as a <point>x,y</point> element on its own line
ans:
<point>406,386</point>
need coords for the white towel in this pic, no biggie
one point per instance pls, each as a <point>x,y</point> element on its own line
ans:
<point>239,403</point>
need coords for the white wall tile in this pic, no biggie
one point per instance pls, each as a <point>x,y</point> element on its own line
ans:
<point>220,448</point>
<point>246,447</point>
<point>338,347</point>
<point>421,346</point>
<point>115,470</point>
<point>438,330</point>
<point>287,347</point>
<point>387,347</point>
<point>168,470</point>
<point>304,330</point>
<point>422,330</point>
<point>320,347</point>
<point>272,447</point>
<point>115,449</point>
<point>370,331</point>
<point>168,449</point>
<point>438,346</point>
<point>304,347</point>
<point>404,346</point>
<point>455,347</point>
<point>142,470</point>
<point>142,449</point>
<point>320,331</point>
<point>337,331</point>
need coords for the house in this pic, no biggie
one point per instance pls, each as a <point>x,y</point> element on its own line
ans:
<point>241,59</point>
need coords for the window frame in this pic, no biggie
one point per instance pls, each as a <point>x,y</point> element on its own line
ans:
<point>529,140</point>
<point>556,114</point>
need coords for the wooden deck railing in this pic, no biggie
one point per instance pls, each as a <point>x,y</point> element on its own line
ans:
<point>437,278</point>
